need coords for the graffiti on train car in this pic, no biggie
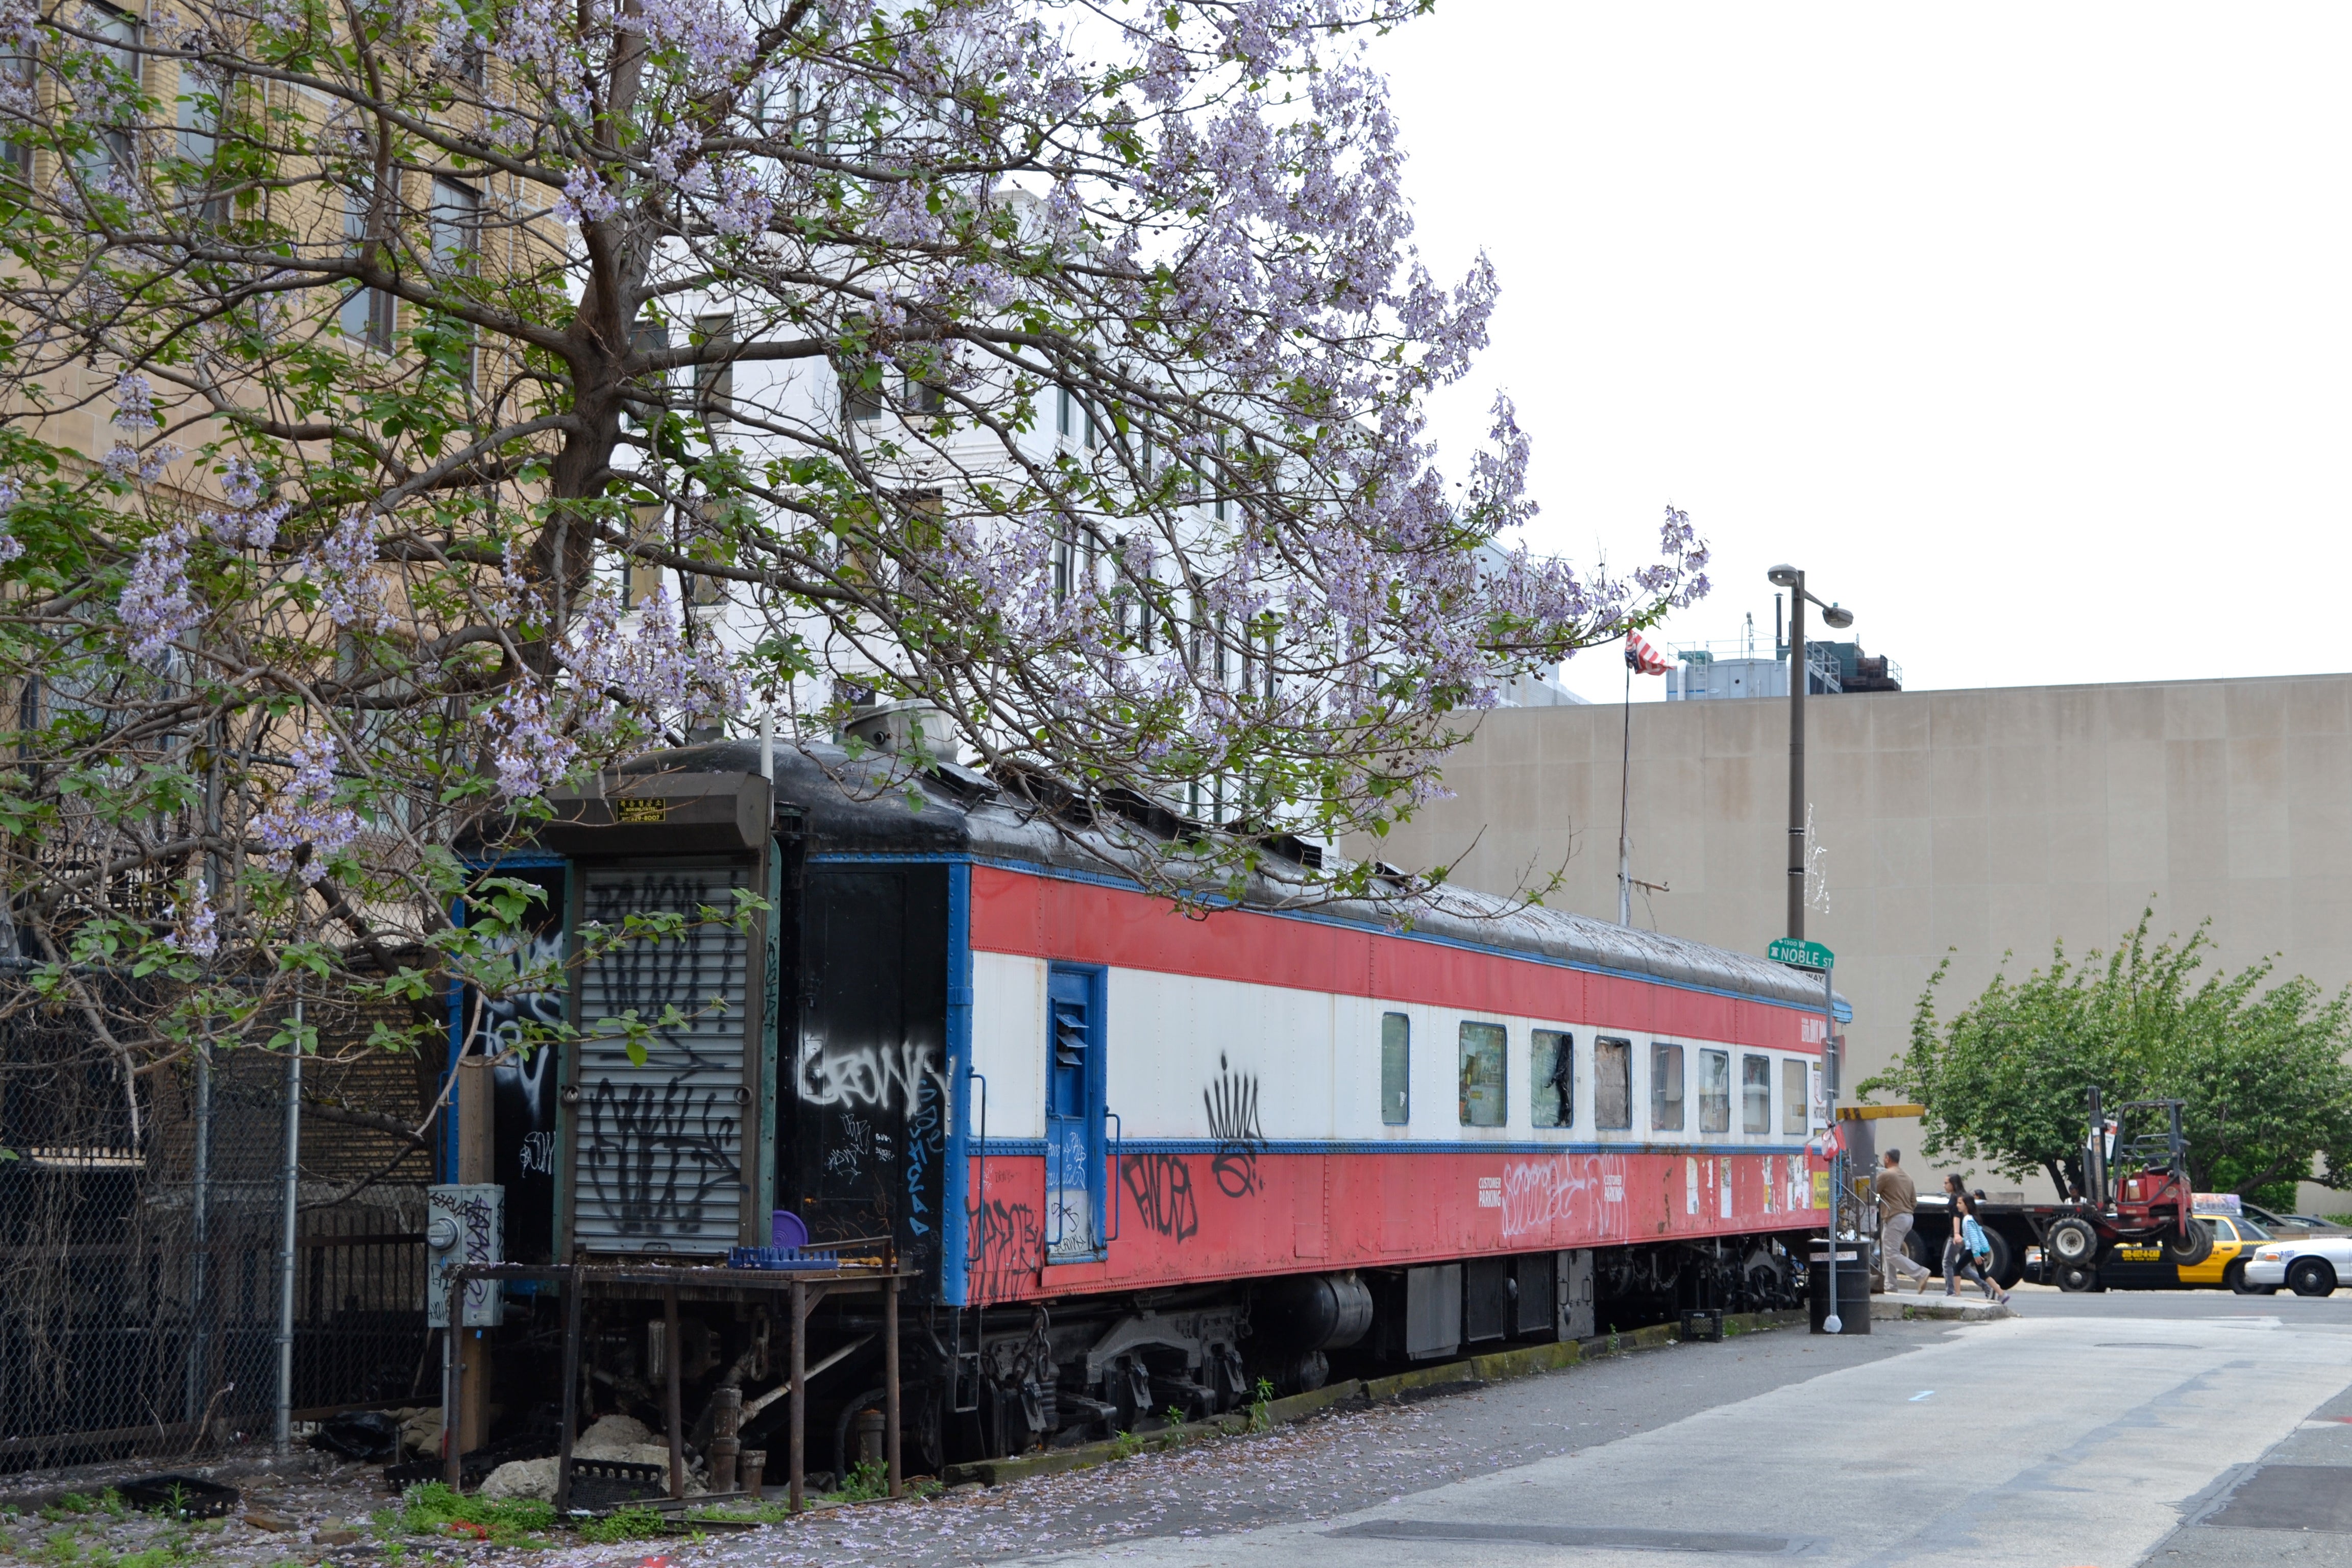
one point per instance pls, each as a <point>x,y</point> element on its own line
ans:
<point>1231,1099</point>
<point>653,1153</point>
<point>877,1079</point>
<point>1007,1243</point>
<point>1584,1192</point>
<point>1161,1185</point>
<point>925,1136</point>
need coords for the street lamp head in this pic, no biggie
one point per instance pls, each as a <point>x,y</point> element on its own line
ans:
<point>1785,576</point>
<point>1838,618</point>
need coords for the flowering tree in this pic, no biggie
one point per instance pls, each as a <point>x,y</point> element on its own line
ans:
<point>494,388</point>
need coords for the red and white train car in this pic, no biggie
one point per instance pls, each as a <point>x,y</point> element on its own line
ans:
<point>1140,1158</point>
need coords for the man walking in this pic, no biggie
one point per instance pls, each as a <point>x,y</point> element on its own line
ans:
<point>1897,1198</point>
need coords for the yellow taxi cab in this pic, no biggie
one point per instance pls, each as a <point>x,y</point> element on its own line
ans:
<point>2144,1268</point>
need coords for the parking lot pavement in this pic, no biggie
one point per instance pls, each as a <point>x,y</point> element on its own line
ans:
<point>2162,1430</point>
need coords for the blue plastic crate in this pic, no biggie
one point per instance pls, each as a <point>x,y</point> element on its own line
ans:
<point>782,1257</point>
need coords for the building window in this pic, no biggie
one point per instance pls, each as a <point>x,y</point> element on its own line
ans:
<point>1484,1100</point>
<point>17,69</point>
<point>645,528</point>
<point>1396,1070</point>
<point>1665,1088</point>
<point>861,403</point>
<point>1793,1096</point>
<point>1756,1094</point>
<point>1714,1091</point>
<point>1613,1084</point>
<point>457,236</point>
<point>120,29</point>
<point>456,226</point>
<point>370,315</point>
<point>1551,1077</point>
<point>714,381</point>
<point>1062,412</point>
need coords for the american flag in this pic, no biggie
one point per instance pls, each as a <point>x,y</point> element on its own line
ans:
<point>1641,658</point>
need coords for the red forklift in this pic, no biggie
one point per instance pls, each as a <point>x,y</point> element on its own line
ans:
<point>2136,1173</point>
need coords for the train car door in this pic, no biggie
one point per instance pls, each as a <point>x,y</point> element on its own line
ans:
<point>1074,1185</point>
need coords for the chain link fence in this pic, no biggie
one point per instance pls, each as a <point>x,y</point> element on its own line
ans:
<point>143,1240</point>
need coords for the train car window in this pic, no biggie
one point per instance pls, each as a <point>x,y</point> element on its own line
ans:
<point>1756,1094</point>
<point>1552,1077</point>
<point>1483,1103</point>
<point>1613,1083</point>
<point>1666,1086</point>
<point>1396,1070</point>
<point>1714,1091</point>
<point>1793,1097</point>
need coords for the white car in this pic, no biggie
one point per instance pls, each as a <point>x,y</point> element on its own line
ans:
<point>2308,1265</point>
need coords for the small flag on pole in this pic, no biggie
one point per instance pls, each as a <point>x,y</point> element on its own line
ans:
<point>1641,658</point>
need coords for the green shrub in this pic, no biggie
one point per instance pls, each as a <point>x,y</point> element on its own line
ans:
<point>868,1479</point>
<point>434,1508</point>
<point>632,1522</point>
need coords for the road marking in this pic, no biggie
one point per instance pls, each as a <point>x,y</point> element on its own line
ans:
<point>1916,1398</point>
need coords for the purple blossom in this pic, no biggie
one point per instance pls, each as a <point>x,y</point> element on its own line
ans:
<point>11,492</point>
<point>195,935</point>
<point>158,607</point>
<point>241,483</point>
<point>530,749</point>
<point>303,811</point>
<point>134,403</point>
<point>343,564</point>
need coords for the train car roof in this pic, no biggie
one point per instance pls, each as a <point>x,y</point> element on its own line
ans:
<point>876,804</point>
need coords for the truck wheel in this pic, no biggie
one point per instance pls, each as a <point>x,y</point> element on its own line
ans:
<point>2311,1276</point>
<point>2188,1251</point>
<point>2077,1277</point>
<point>2073,1241</point>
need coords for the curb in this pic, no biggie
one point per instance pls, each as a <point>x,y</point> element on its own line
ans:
<point>1427,1382</point>
<point>1887,1309</point>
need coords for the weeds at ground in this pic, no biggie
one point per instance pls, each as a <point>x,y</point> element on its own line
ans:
<point>633,1521</point>
<point>1125,1445</point>
<point>434,1510</point>
<point>868,1479</point>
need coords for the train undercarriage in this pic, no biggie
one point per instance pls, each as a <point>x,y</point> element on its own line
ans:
<point>1027,1375</point>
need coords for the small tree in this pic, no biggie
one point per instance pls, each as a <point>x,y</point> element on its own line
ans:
<point>2262,1072</point>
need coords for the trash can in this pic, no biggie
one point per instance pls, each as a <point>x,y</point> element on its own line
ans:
<point>1852,1285</point>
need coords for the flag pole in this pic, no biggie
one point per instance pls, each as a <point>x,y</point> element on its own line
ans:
<point>1624,779</point>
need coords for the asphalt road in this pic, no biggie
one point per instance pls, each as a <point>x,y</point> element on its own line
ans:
<point>2169,1430</point>
<point>2125,1428</point>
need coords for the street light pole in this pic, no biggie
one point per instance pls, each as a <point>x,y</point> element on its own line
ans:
<point>1797,681</point>
<point>1800,677</point>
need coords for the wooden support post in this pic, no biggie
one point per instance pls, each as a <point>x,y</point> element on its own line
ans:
<point>890,1382</point>
<point>799,1421</point>
<point>571,1293</point>
<point>671,1405</point>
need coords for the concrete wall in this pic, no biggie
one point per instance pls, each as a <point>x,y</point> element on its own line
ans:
<point>1974,822</point>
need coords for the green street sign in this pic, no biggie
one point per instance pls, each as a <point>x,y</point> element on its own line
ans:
<point>1800,954</point>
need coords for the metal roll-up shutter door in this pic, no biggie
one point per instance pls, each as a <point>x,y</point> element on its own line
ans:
<point>661,1145</point>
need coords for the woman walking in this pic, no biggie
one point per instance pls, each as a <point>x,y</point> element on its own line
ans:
<point>1968,1249</point>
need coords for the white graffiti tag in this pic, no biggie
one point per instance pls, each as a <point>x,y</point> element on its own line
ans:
<point>870,1077</point>
<point>1564,1196</point>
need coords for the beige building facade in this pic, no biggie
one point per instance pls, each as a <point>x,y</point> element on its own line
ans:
<point>1973,824</point>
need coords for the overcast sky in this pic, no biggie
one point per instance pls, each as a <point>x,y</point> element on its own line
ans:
<point>2021,328</point>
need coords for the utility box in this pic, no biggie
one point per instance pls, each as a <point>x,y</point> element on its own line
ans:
<point>465,1223</point>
